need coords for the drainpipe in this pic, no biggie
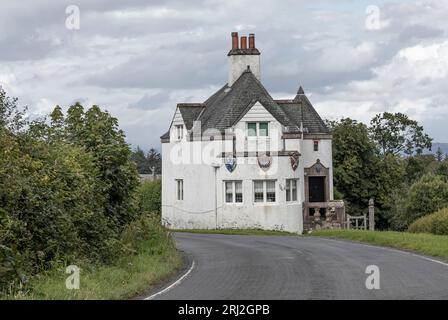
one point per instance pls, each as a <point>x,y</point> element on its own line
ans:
<point>216,166</point>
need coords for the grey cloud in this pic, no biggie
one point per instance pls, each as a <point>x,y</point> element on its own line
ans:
<point>420,32</point>
<point>152,102</point>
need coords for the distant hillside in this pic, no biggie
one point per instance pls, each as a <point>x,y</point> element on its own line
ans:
<point>435,146</point>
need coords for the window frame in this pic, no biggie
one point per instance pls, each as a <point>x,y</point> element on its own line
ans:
<point>234,193</point>
<point>289,189</point>
<point>179,189</point>
<point>179,132</point>
<point>315,145</point>
<point>265,192</point>
<point>257,129</point>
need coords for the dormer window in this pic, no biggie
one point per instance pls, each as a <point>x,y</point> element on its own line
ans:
<point>258,129</point>
<point>179,132</point>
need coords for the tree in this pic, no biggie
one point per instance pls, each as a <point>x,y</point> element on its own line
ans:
<point>427,195</point>
<point>395,133</point>
<point>356,164</point>
<point>139,158</point>
<point>154,160</point>
<point>439,155</point>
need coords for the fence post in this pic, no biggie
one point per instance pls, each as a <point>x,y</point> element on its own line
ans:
<point>371,215</point>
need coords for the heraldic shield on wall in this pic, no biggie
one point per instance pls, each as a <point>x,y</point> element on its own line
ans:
<point>294,157</point>
<point>230,163</point>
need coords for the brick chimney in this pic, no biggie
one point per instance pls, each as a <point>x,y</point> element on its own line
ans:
<point>240,58</point>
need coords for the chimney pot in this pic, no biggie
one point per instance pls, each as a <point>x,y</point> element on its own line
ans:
<point>243,42</point>
<point>251,41</point>
<point>234,40</point>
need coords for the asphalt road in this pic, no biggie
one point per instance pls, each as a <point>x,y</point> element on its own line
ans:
<point>289,267</point>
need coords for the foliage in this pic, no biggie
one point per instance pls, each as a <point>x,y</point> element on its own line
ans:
<point>436,223</point>
<point>356,164</point>
<point>148,254</point>
<point>67,189</point>
<point>395,133</point>
<point>150,196</point>
<point>146,163</point>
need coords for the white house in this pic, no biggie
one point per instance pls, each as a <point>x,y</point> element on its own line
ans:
<point>244,160</point>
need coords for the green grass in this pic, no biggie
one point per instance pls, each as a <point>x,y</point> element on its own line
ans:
<point>128,277</point>
<point>244,232</point>
<point>428,244</point>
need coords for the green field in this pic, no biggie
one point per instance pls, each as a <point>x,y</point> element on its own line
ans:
<point>428,244</point>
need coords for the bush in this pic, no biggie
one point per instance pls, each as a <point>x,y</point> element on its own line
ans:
<point>436,223</point>
<point>67,190</point>
<point>149,194</point>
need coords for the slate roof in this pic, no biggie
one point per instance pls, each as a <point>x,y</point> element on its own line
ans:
<point>301,111</point>
<point>229,104</point>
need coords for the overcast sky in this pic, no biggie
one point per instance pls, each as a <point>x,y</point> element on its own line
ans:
<point>137,58</point>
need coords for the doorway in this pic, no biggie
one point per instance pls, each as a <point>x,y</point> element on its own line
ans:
<point>316,189</point>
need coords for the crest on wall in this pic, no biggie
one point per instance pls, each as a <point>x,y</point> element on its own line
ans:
<point>294,157</point>
<point>230,163</point>
<point>264,161</point>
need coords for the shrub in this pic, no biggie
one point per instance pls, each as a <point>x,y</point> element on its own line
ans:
<point>436,223</point>
<point>149,196</point>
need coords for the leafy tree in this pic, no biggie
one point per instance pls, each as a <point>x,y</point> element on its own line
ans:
<point>439,155</point>
<point>154,160</point>
<point>427,195</point>
<point>138,156</point>
<point>356,164</point>
<point>395,133</point>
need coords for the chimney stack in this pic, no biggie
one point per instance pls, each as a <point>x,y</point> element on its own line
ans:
<point>234,40</point>
<point>251,41</point>
<point>241,57</point>
<point>243,43</point>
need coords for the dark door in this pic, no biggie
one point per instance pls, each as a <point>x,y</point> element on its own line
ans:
<point>316,189</point>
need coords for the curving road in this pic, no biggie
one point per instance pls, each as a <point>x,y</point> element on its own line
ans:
<point>290,267</point>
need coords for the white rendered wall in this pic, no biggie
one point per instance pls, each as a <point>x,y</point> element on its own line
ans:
<point>239,63</point>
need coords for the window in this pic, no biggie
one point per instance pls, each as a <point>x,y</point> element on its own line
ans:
<point>258,129</point>
<point>258,191</point>
<point>180,189</point>
<point>316,145</point>
<point>270,191</point>
<point>264,191</point>
<point>252,129</point>
<point>263,129</point>
<point>234,191</point>
<point>291,190</point>
<point>179,132</point>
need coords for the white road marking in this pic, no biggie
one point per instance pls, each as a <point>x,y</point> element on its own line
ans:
<point>173,284</point>
<point>391,249</point>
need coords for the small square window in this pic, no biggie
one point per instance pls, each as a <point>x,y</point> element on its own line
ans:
<point>263,126</point>
<point>252,129</point>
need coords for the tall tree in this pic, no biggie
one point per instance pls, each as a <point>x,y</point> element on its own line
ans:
<point>439,155</point>
<point>356,164</point>
<point>395,133</point>
<point>154,160</point>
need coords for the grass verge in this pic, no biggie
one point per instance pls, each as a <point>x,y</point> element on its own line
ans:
<point>125,279</point>
<point>428,244</point>
<point>243,232</point>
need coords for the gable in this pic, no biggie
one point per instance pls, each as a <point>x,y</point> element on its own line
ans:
<point>256,113</point>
